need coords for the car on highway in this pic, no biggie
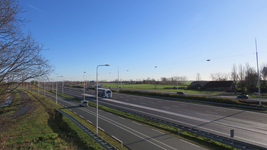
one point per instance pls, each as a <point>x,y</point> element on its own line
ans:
<point>84,104</point>
<point>243,96</point>
<point>181,93</point>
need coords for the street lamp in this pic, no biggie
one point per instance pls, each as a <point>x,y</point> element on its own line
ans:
<point>83,86</point>
<point>97,96</point>
<point>56,88</point>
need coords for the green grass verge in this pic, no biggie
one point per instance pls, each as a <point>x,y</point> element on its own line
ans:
<point>45,128</point>
<point>84,137</point>
<point>191,137</point>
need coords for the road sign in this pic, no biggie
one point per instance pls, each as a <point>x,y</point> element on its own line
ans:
<point>92,81</point>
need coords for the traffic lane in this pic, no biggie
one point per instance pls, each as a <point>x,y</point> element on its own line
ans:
<point>257,117</point>
<point>112,129</point>
<point>154,135</point>
<point>222,131</point>
<point>218,128</point>
<point>197,94</point>
<point>212,115</point>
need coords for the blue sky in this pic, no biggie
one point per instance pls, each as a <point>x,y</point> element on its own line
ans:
<point>176,36</point>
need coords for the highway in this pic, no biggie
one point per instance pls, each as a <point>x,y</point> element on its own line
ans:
<point>198,94</point>
<point>249,126</point>
<point>134,135</point>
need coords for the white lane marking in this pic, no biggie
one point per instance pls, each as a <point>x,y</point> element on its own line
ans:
<point>70,110</point>
<point>158,131</point>
<point>201,114</point>
<point>81,116</point>
<point>142,103</point>
<point>75,112</point>
<point>211,112</point>
<point>166,107</point>
<point>101,129</point>
<point>136,123</point>
<point>175,106</point>
<point>89,121</point>
<point>121,117</point>
<point>110,113</point>
<point>220,110</point>
<point>189,143</point>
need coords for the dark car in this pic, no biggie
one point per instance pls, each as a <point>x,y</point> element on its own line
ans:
<point>243,96</point>
<point>181,93</point>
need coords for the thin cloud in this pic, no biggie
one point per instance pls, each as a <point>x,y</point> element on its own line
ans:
<point>35,8</point>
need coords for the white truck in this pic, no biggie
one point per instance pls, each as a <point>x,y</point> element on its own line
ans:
<point>107,93</point>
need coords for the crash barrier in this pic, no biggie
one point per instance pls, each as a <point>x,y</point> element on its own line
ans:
<point>97,138</point>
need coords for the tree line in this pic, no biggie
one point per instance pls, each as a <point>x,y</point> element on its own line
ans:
<point>244,77</point>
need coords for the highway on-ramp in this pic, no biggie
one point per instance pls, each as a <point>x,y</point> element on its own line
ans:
<point>134,135</point>
<point>249,126</point>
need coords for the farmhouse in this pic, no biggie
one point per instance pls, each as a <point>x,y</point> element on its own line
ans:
<point>219,85</point>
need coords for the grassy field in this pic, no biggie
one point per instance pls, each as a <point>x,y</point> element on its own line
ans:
<point>157,88</point>
<point>44,128</point>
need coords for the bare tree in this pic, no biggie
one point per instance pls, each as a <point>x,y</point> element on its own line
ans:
<point>241,76</point>
<point>218,76</point>
<point>264,74</point>
<point>20,55</point>
<point>234,76</point>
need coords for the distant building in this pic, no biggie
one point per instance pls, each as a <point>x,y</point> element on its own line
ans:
<point>211,85</point>
<point>195,85</point>
<point>219,85</point>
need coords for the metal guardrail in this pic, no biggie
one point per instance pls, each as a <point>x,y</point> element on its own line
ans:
<point>221,139</point>
<point>97,138</point>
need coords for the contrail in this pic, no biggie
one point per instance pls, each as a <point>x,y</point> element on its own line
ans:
<point>35,8</point>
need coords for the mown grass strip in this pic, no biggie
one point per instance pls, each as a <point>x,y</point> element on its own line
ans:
<point>80,133</point>
<point>188,136</point>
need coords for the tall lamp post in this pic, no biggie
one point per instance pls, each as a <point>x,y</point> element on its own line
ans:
<point>56,88</point>
<point>97,96</point>
<point>83,86</point>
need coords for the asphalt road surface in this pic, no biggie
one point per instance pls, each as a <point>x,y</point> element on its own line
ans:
<point>134,135</point>
<point>249,126</point>
<point>197,94</point>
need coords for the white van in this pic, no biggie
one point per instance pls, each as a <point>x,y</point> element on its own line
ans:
<point>107,93</point>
